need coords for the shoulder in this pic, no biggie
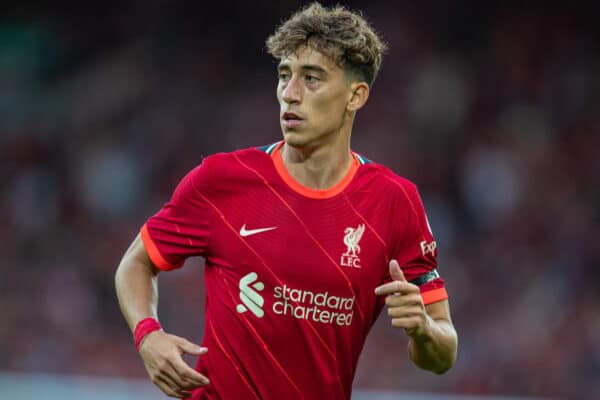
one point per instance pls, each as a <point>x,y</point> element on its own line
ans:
<point>400,193</point>
<point>385,178</point>
<point>226,172</point>
<point>225,164</point>
<point>230,159</point>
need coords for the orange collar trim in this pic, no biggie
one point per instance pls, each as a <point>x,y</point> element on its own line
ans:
<point>306,191</point>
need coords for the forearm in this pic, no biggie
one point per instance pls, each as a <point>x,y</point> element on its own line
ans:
<point>136,285</point>
<point>436,349</point>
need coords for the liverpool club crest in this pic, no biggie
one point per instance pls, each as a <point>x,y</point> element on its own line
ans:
<point>351,238</point>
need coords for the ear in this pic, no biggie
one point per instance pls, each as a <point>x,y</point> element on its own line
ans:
<point>359,93</point>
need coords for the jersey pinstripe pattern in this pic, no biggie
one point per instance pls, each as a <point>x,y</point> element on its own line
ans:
<point>288,308</point>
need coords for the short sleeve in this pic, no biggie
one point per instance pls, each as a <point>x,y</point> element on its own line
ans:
<point>415,247</point>
<point>181,228</point>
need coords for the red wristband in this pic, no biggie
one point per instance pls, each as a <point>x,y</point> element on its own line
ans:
<point>143,328</point>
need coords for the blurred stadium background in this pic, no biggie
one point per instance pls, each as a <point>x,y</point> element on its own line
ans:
<point>493,109</point>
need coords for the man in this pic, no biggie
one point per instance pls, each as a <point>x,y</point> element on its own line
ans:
<point>305,241</point>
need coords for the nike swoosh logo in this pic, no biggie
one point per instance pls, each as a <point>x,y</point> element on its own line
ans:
<point>249,232</point>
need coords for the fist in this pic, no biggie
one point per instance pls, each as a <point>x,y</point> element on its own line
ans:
<point>404,303</point>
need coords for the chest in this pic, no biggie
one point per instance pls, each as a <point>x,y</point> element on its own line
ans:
<point>337,245</point>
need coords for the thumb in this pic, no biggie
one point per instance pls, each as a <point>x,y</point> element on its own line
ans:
<point>190,348</point>
<point>396,271</point>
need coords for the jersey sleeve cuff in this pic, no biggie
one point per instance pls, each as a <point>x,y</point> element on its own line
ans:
<point>435,295</point>
<point>155,256</point>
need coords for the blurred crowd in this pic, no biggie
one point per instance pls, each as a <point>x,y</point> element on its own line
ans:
<point>493,111</point>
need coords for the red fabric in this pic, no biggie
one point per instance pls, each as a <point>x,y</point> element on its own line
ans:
<point>143,328</point>
<point>289,278</point>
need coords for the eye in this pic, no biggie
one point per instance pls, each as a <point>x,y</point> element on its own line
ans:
<point>311,78</point>
<point>283,76</point>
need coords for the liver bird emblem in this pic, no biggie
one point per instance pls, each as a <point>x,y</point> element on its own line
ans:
<point>351,238</point>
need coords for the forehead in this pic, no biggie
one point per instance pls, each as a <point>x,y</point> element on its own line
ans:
<point>308,56</point>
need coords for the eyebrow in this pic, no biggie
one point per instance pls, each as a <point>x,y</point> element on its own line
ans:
<point>304,67</point>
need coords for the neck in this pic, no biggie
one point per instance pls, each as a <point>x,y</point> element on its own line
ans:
<point>319,167</point>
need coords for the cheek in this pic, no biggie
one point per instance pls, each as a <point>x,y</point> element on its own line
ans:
<point>331,106</point>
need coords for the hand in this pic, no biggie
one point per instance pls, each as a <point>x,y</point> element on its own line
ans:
<point>161,353</point>
<point>405,305</point>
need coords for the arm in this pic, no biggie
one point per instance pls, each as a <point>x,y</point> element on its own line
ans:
<point>433,339</point>
<point>136,285</point>
<point>435,349</point>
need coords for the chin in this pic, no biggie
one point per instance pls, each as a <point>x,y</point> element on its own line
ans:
<point>294,138</point>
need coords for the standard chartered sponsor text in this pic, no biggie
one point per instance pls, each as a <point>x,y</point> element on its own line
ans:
<point>319,307</point>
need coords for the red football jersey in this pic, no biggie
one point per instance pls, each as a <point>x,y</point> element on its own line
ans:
<point>290,271</point>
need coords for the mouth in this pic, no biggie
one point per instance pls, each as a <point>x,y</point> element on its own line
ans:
<point>289,116</point>
<point>291,120</point>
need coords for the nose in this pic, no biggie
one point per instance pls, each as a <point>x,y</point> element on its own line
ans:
<point>291,92</point>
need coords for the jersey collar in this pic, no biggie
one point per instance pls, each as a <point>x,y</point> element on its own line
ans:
<point>306,191</point>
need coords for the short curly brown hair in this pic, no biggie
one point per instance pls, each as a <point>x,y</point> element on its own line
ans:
<point>343,35</point>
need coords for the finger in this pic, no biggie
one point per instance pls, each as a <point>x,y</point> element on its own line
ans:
<point>181,381</point>
<point>406,322</point>
<point>167,374</point>
<point>190,348</point>
<point>404,301</point>
<point>396,272</point>
<point>404,312</point>
<point>395,287</point>
<point>188,373</point>
<point>169,377</point>
<point>168,390</point>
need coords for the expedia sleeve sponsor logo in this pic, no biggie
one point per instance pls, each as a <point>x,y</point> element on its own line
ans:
<point>428,248</point>
<point>318,307</point>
